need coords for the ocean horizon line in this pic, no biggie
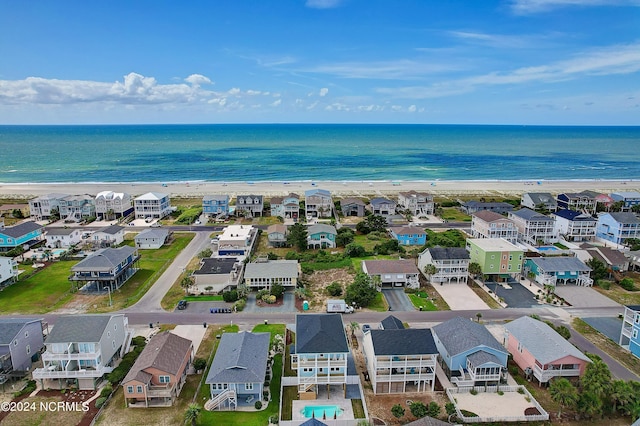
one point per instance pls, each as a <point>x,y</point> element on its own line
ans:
<point>322,124</point>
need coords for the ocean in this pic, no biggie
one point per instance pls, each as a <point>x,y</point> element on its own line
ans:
<point>310,152</point>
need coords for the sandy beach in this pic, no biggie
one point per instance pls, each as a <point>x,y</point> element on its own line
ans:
<point>337,188</point>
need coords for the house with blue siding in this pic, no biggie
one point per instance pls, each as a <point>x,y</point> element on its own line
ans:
<point>11,237</point>
<point>618,227</point>
<point>321,236</point>
<point>472,356</point>
<point>409,235</point>
<point>630,334</point>
<point>558,270</point>
<point>20,340</point>
<point>629,199</point>
<point>215,205</point>
<point>286,207</point>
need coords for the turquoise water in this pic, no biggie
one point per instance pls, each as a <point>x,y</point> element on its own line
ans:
<point>299,152</point>
<point>321,411</point>
<point>547,248</point>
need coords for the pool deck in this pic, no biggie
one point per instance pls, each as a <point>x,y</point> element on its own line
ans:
<point>335,398</point>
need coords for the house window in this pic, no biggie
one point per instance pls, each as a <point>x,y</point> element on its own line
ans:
<point>15,343</point>
<point>139,389</point>
<point>28,349</point>
<point>26,334</point>
<point>108,334</point>
<point>637,319</point>
<point>113,344</point>
<point>165,379</point>
<point>519,347</point>
<point>248,386</point>
<point>635,334</point>
<point>129,389</point>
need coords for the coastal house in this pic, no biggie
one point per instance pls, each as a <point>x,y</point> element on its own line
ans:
<point>9,210</point>
<point>249,205</point>
<point>471,356</point>
<point>286,207</point>
<point>21,339</point>
<point>152,238</point>
<point>382,207</point>
<point>74,208</point>
<point>215,205</point>
<point>321,236</point>
<point>496,257</point>
<point>583,201</point>
<point>352,207</point>
<point>451,263</point>
<point>80,349</point>
<point>62,237</point>
<point>488,224</point>
<point>239,370</point>
<point>629,199</point>
<point>391,323</point>
<point>533,228</point>
<point>319,355</point>
<point>618,227</point>
<point>539,201</point>
<point>614,259</point>
<point>393,273</point>
<point>109,236</point>
<point>23,234</point>
<point>159,373</point>
<point>237,240</point>
<point>217,274</point>
<point>473,206</point>
<point>46,206</point>
<point>112,205</point>
<point>277,235</point>
<point>573,225</point>
<point>630,332</point>
<point>400,360</point>
<point>106,268</point>
<point>409,235</point>
<point>152,205</point>
<point>263,274</point>
<point>541,352</point>
<point>558,270</point>
<point>8,271</point>
<point>419,204</point>
<point>318,203</point>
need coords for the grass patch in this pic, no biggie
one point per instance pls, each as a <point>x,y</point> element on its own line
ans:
<point>289,394</point>
<point>36,417</point>
<point>379,304</point>
<point>561,246</point>
<point>619,294</point>
<point>452,214</point>
<point>486,297</point>
<point>358,409</point>
<point>270,328</point>
<point>367,243</point>
<point>46,290</point>
<point>421,299</point>
<point>323,266</point>
<point>288,371</point>
<point>356,262</point>
<point>205,298</point>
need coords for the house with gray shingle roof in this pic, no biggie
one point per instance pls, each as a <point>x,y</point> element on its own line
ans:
<point>80,349</point>
<point>20,340</point>
<point>539,201</point>
<point>382,207</point>
<point>575,226</point>
<point>109,236</point>
<point>11,237</point>
<point>474,206</point>
<point>152,238</point>
<point>319,355</point>
<point>352,207</point>
<point>277,235</point>
<point>540,350</point>
<point>110,267</point>
<point>393,273</point>
<point>238,370</point>
<point>321,236</point>
<point>618,227</point>
<point>558,270</point>
<point>160,372</point>
<point>488,224</point>
<point>152,205</point>
<point>401,360</point>
<point>262,275</point>
<point>62,237</point>
<point>409,235</point>
<point>471,355</point>
<point>391,323</point>
<point>452,264</point>
<point>534,228</point>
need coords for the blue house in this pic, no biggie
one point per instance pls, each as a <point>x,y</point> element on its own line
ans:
<point>11,237</point>
<point>471,354</point>
<point>409,235</point>
<point>321,236</point>
<point>630,334</point>
<point>618,227</point>
<point>629,199</point>
<point>559,270</point>
<point>214,205</point>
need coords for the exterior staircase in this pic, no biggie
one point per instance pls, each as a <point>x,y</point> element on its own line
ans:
<point>215,402</point>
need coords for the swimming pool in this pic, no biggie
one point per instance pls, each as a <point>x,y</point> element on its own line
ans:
<point>57,252</point>
<point>321,411</point>
<point>548,248</point>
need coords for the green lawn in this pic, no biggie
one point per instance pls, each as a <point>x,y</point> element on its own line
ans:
<point>452,214</point>
<point>205,298</point>
<point>379,304</point>
<point>46,290</point>
<point>367,243</point>
<point>421,299</point>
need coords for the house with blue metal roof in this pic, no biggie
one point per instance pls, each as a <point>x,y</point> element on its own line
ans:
<point>573,225</point>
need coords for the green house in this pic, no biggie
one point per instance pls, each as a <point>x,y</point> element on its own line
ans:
<point>496,256</point>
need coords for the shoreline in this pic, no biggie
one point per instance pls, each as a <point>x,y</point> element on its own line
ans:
<point>337,188</point>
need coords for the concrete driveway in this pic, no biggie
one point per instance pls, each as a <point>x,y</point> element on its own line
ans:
<point>460,297</point>
<point>515,294</point>
<point>288,305</point>
<point>397,299</point>
<point>584,297</point>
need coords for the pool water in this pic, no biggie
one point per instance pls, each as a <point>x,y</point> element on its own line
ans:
<point>321,411</point>
<point>547,248</point>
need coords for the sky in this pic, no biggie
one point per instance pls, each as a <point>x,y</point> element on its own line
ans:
<point>523,62</point>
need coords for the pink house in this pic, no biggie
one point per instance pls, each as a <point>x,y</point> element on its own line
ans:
<point>542,352</point>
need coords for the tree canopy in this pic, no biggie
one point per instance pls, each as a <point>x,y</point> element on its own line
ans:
<point>361,291</point>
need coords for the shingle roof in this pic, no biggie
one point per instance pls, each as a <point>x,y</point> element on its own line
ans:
<point>320,333</point>
<point>460,334</point>
<point>409,341</point>
<point>112,230</point>
<point>152,196</point>
<point>20,230</point>
<point>60,231</point>
<point>352,200</point>
<point>104,259</point>
<point>10,327</point>
<point>612,256</point>
<point>625,217</point>
<point>392,323</point>
<point>574,215</point>
<point>279,228</point>
<point>408,230</point>
<point>378,267</point>
<point>216,265</point>
<point>321,227</point>
<point>240,358</point>
<point>481,357</point>
<point>215,198</point>
<point>376,201</point>
<point>272,269</point>
<point>427,421</point>
<point>165,351</point>
<point>320,192</point>
<point>529,214</point>
<point>544,343</point>
<point>474,203</point>
<point>79,328</point>
<point>489,216</point>
<point>560,264</point>
<point>541,197</point>
<point>447,253</point>
<point>155,234</point>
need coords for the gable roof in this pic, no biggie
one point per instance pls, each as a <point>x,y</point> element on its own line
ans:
<point>10,327</point>
<point>489,216</point>
<point>165,351</point>
<point>277,228</point>
<point>543,342</point>
<point>528,214</point>
<point>475,203</point>
<point>79,328</point>
<point>61,231</point>
<point>380,200</point>
<point>392,323</point>
<point>625,217</point>
<point>317,192</point>
<point>112,230</point>
<point>609,255</point>
<point>104,259</point>
<point>320,333</point>
<point>240,358</point>
<point>574,215</point>
<point>321,227</point>
<point>352,200</point>
<point>560,263</point>
<point>460,334</point>
<point>220,197</point>
<point>216,265</point>
<point>408,230</point>
<point>540,197</point>
<point>272,269</point>
<point>154,234</point>
<point>385,266</point>
<point>409,341</point>
<point>20,230</point>
<point>152,196</point>
<point>447,253</point>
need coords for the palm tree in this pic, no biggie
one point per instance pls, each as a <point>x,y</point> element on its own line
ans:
<point>186,283</point>
<point>478,316</point>
<point>192,414</point>
<point>597,379</point>
<point>621,394</point>
<point>563,393</point>
<point>430,270</point>
<point>475,269</point>
<point>354,326</point>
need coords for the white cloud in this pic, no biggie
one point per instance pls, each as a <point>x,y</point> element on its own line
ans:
<point>323,4</point>
<point>234,91</point>
<point>323,92</point>
<point>526,7</point>
<point>254,92</point>
<point>197,80</point>
<point>520,41</point>
<point>276,103</point>
<point>383,70</point>
<point>412,108</point>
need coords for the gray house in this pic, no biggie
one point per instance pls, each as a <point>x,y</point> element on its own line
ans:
<point>473,206</point>
<point>20,340</point>
<point>539,200</point>
<point>151,238</point>
<point>251,205</point>
<point>352,207</point>
<point>382,207</point>
<point>238,370</point>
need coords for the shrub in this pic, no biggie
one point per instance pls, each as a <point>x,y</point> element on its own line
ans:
<point>354,250</point>
<point>106,391</point>
<point>199,364</point>
<point>334,289</point>
<point>27,389</point>
<point>450,408</point>
<point>473,392</point>
<point>100,401</point>
<point>261,294</point>
<point>628,284</point>
<point>433,410</point>
<point>139,341</point>
<point>603,284</point>
<point>418,409</point>
<point>277,290</point>
<point>397,411</point>
<point>239,305</point>
<point>258,405</point>
<point>521,391</point>
<point>273,419</point>
<point>500,393</point>
<point>230,296</point>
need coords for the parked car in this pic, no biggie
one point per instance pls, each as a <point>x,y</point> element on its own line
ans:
<point>156,225</point>
<point>366,328</point>
<point>182,304</point>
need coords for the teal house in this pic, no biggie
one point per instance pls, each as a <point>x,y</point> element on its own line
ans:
<point>559,270</point>
<point>14,236</point>
<point>321,236</point>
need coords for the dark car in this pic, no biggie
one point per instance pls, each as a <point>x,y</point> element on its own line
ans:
<point>182,304</point>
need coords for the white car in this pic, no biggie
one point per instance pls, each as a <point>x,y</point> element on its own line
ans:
<point>197,222</point>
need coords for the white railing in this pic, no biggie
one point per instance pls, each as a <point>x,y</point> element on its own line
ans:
<point>545,375</point>
<point>215,402</point>
<point>43,373</point>
<point>89,356</point>
<point>405,363</point>
<point>323,362</point>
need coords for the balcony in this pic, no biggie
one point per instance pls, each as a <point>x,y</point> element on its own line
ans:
<point>405,363</point>
<point>322,362</point>
<point>48,373</point>
<point>160,391</point>
<point>545,375</point>
<point>65,356</point>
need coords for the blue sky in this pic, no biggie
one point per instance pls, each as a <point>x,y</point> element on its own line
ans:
<point>567,62</point>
